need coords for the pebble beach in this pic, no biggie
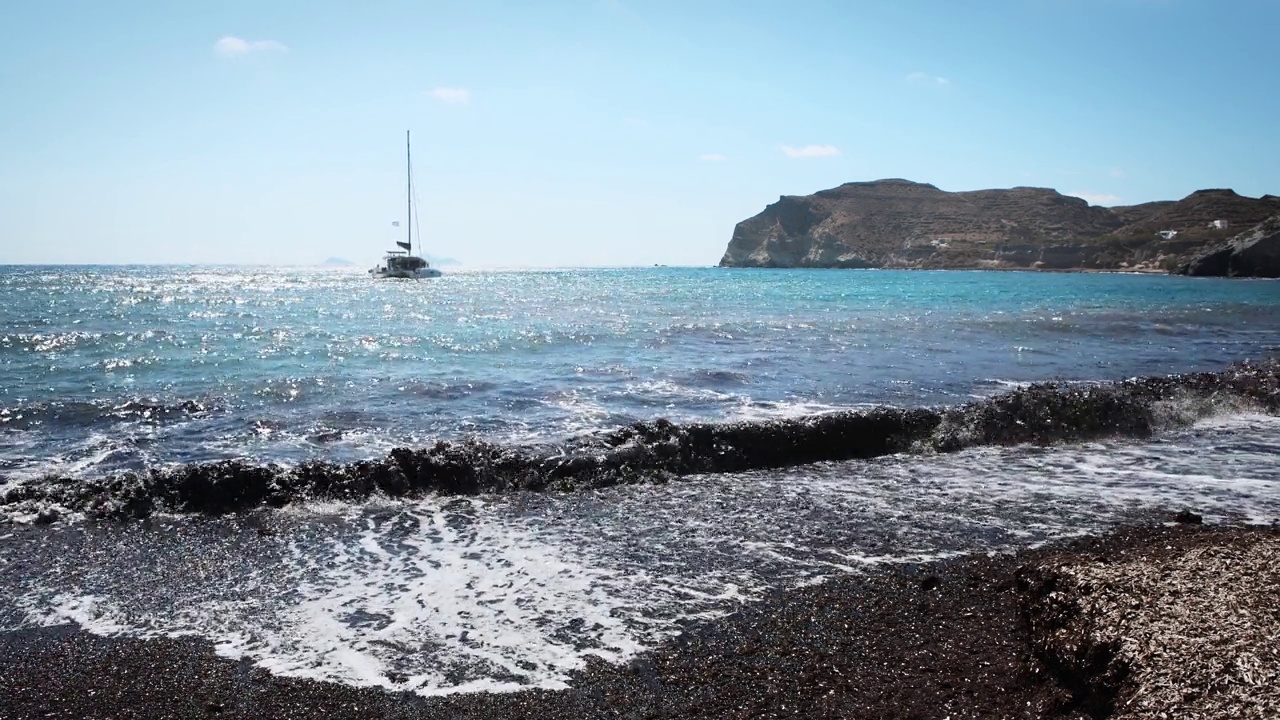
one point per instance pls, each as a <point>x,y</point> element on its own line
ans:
<point>1036,634</point>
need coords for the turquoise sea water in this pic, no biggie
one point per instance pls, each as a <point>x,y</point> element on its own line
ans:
<point>109,368</point>
<point>106,369</point>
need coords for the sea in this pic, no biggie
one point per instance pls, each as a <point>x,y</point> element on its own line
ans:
<point>110,370</point>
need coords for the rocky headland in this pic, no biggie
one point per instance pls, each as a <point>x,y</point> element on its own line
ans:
<point>904,224</point>
<point>1255,253</point>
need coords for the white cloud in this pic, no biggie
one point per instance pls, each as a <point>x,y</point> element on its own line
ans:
<point>811,151</point>
<point>921,78</point>
<point>452,96</point>
<point>712,157</point>
<point>231,46</point>
<point>1097,198</point>
<point>1118,173</point>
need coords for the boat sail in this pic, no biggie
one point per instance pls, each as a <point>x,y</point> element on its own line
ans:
<point>403,263</point>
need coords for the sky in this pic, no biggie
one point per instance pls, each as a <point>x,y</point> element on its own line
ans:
<point>594,132</point>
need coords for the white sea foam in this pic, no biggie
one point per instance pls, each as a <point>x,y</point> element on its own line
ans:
<point>749,410</point>
<point>995,386</point>
<point>92,612</point>
<point>672,395</point>
<point>488,595</point>
<point>94,451</point>
<point>500,593</point>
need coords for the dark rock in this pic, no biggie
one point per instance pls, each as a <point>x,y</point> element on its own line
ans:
<point>1188,518</point>
<point>47,516</point>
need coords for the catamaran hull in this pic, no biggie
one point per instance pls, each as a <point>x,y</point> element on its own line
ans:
<point>380,273</point>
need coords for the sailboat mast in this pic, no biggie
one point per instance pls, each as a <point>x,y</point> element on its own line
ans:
<point>408,200</point>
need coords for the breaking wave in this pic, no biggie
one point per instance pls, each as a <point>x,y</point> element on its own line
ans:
<point>659,450</point>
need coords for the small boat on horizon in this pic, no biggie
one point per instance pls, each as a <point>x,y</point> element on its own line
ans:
<point>403,263</point>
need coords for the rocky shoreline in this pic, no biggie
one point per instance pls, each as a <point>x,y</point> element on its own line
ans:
<point>1145,622</point>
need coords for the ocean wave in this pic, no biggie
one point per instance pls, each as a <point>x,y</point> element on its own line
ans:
<point>88,413</point>
<point>719,378</point>
<point>660,450</point>
<point>450,391</point>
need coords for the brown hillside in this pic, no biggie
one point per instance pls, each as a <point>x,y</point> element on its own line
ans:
<point>902,224</point>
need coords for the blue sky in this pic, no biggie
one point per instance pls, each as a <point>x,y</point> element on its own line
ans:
<point>594,132</point>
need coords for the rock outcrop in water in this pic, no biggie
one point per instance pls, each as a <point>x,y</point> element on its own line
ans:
<point>660,450</point>
<point>1255,253</point>
<point>903,224</point>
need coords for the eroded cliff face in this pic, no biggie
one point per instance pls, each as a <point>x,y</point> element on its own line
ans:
<point>903,224</point>
<point>1255,253</point>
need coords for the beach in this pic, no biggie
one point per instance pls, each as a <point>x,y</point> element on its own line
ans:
<point>965,638</point>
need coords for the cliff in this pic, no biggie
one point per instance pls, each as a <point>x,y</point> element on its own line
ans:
<point>904,224</point>
<point>1255,253</point>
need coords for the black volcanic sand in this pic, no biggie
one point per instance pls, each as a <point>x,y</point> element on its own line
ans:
<point>661,450</point>
<point>980,637</point>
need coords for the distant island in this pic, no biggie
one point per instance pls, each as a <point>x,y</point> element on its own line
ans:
<point>338,261</point>
<point>441,261</point>
<point>902,224</point>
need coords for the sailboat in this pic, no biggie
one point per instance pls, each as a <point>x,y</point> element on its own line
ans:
<point>403,263</point>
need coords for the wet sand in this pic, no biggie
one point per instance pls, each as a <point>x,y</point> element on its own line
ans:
<point>1142,621</point>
